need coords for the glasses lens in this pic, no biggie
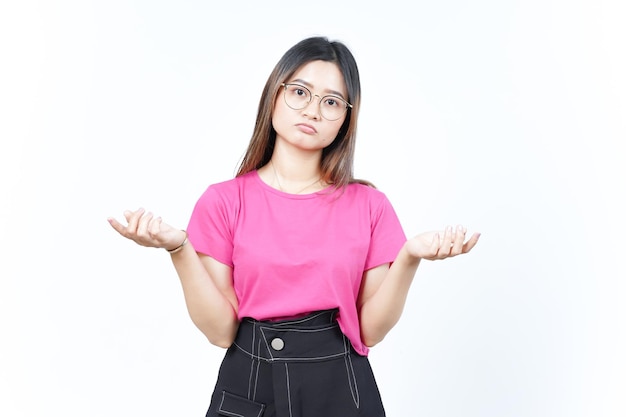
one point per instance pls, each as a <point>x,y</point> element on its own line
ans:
<point>332,108</point>
<point>297,96</point>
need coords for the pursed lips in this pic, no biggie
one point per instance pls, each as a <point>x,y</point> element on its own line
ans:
<point>306,128</point>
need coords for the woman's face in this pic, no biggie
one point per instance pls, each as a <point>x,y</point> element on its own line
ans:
<point>306,128</point>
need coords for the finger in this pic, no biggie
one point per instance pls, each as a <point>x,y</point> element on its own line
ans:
<point>133,217</point>
<point>446,243</point>
<point>435,245</point>
<point>154,228</point>
<point>119,228</point>
<point>459,238</point>
<point>471,242</point>
<point>142,226</point>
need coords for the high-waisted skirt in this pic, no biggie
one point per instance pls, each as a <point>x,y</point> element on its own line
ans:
<point>304,367</point>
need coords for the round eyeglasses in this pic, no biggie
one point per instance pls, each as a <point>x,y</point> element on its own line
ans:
<point>298,97</point>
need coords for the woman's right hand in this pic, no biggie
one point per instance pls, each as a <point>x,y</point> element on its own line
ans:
<point>147,230</point>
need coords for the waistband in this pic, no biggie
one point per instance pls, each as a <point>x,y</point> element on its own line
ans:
<point>314,337</point>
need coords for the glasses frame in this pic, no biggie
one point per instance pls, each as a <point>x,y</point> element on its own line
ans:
<point>311,95</point>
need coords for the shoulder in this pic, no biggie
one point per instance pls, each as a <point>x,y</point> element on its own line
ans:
<point>231,186</point>
<point>365,192</point>
<point>372,199</point>
<point>227,192</point>
<point>361,198</point>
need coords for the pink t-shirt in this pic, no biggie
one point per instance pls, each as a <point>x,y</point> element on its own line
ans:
<point>292,254</point>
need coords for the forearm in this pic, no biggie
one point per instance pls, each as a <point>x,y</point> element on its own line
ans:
<point>383,309</point>
<point>209,309</point>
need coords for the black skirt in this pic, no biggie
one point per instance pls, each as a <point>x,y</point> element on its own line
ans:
<point>304,367</point>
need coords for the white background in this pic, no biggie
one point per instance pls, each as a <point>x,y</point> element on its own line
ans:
<point>506,116</point>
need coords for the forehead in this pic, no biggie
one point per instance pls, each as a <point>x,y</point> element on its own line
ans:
<point>321,76</point>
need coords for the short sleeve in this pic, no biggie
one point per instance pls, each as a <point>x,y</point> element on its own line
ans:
<point>210,227</point>
<point>387,235</point>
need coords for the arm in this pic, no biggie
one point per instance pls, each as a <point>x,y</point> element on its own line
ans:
<point>385,288</point>
<point>209,295</point>
<point>207,283</point>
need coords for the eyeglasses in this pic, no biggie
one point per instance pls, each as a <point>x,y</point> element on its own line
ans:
<point>298,97</point>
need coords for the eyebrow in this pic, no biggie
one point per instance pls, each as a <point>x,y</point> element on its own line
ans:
<point>327,91</point>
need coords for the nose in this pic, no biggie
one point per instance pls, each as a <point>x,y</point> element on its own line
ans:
<point>313,108</point>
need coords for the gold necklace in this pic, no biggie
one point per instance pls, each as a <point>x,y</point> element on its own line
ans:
<point>280,187</point>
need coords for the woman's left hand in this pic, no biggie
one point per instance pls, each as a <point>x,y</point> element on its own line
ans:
<point>441,244</point>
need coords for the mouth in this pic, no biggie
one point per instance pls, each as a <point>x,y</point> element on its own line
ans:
<point>306,128</point>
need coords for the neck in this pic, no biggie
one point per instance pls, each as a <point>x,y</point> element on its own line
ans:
<point>293,179</point>
<point>296,164</point>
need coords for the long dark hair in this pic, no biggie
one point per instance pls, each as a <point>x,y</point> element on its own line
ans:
<point>337,166</point>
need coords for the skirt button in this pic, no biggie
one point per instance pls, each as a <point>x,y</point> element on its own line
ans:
<point>277,343</point>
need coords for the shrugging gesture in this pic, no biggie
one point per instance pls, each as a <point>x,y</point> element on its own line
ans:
<point>294,265</point>
<point>441,244</point>
<point>147,230</point>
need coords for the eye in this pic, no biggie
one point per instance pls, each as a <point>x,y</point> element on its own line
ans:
<point>297,91</point>
<point>332,102</point>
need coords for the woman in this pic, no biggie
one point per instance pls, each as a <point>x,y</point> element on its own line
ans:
<point>294,266</point>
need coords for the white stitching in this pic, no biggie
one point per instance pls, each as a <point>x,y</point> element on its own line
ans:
<point>221,410</point>
<point>228,412</point>
<point>253,335</point>
<point>231,414</point>
<point>332,316</point>
<point>269,351</point>
<point>356,387</point>
<point>302,320</point>
<point>312,358</point>
<point>250,377</point>
<point>321,329</point>
<point>295,321</point>
<point>288,390</point>
<point>221,402</point>
<point>256,380</point>
<point>252,361</point>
